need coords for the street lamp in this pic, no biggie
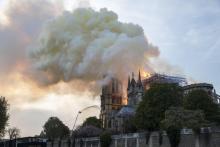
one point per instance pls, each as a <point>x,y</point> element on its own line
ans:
<point>79,112</point>
<point>76,119</point>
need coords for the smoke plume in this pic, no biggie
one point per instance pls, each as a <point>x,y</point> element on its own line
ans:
<point>19,27</point>
<point>85,45</point>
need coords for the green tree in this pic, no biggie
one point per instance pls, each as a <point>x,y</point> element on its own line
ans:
<point>3,115</point>
<point>201,100</point>
<point>92,121</point>
<point>178,118</point>
<point>105,139</point>
<point>54,128</point>
<point>151,111</point>
<point>87,131</point>
<point>129,125</point>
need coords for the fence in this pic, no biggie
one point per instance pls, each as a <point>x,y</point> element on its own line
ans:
<point>188,139</point>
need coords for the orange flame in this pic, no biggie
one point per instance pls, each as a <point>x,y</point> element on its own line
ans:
<point>124,101</point>
<point>145,74</point>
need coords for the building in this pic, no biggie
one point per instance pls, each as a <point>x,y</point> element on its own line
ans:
<point>203,86</point>
<point>111,102</point>
<point>135,91</point>
<point>161,78</point>
<point>114,113</point>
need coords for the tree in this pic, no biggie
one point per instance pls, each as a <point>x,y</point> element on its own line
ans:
<point>92,121</point>
<point>3,115</point>
<point>178,118</point>
<point>91,127</point>
<point>54,128</point>
<point>201,100</point>
<point>129,125</point>
<point>151,110</point>
<point>13,133</point>
<point>87,131</point>
<point>105,139</point>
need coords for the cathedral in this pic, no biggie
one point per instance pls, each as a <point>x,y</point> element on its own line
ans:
<point>135,91</point>
<point>113,109</point>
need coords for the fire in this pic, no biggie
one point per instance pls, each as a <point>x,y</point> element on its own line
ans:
<point>124,101</point>
<point>145,74</point>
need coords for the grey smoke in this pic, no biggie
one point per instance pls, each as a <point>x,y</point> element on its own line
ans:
<point>85,44</point>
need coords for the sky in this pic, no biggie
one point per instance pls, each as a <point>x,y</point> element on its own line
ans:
<point>186,34</point>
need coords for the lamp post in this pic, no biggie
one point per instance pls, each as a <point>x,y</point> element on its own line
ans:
<point>76,119</point>
<point>79,112</point>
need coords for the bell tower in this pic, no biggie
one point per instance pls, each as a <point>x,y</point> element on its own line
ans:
<point>111,102</point>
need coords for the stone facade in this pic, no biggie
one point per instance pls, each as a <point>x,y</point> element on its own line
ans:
<point>111,103</point>
<point>135,91</point>
<point>113,112</point>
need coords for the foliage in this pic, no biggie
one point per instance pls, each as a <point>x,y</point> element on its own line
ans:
<point>194,120</point>
<point>201,100</point>
<point>129,125</point>
<point>177,118</point>
<point>154,104</point>
<point>54,128</point>
<point>13,133</point>
<point>92,121</point>
<point>172,124</point>
<point>105,139</point>
<point>87,131</point>
<point>161,108</point>
<point>4,116</point>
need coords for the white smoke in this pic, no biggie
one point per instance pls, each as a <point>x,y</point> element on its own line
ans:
<point>85,44</point>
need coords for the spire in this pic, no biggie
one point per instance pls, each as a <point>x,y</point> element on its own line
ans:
<point>133,82</point>
<point>129,82</point>
<point>139,76</point>
<point>139,83</point>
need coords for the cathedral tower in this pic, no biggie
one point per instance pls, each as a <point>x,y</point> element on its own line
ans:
<point>111,102</point>
<point>135,91</point>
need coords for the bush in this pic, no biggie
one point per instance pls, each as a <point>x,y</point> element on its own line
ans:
<point>92,121</point>
<point>105,139</point>
<point>87,131</point>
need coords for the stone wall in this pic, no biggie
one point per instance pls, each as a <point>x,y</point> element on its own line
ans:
<point>188,139</point>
